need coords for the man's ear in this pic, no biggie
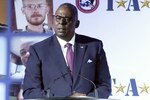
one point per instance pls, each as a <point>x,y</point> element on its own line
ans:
<point>77,23</point>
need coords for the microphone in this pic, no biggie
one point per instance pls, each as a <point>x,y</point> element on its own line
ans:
<point>95,89</point>
<point>48,90</point>
<point>63,75</point>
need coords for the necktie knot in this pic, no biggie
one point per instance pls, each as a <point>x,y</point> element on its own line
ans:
<point>68,45</point>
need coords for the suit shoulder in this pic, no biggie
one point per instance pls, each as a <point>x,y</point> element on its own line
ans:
<point>43,43</point>
<point>87,39</point>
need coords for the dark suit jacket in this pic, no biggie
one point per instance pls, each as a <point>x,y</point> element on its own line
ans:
<point>47,74</point>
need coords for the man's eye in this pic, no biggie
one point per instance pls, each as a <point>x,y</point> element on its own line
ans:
<point>23,53</point>
<point>30,6</point>
<point>68,19</point>
<point>58,17</point>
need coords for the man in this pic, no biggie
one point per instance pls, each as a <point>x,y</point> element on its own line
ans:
<point>49,71</point>
<point>35,12</point>
<point>24,51</point>
<point>17,72</point>
<point>20,48</point>
<point>24,54</point>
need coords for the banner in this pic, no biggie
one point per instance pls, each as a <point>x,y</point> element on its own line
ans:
<point>123,26</point>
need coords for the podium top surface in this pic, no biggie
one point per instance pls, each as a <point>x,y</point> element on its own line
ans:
<point>72,98</point>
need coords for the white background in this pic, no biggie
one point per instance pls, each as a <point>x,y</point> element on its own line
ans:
<point>2,91</point>
<point>3,62</point>
<point>3,51</point>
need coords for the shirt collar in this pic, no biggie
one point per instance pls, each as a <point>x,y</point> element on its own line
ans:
<point>27,30</point>
<point>63,43</point>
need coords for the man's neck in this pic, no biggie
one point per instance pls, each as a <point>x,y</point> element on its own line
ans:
<point>33,28</point>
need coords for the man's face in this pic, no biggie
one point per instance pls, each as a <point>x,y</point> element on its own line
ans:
<point>24,52</point>
<point>35,11</point>
<point>64,23</point>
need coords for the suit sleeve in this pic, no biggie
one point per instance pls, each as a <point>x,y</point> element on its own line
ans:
<point>33,86</point>
<point>103,78</point>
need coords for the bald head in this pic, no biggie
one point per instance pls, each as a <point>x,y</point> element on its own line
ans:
<point>70,7</point>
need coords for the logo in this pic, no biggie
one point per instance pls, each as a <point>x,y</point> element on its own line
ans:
<point>128,5</point>
<point>129,88</point>
<point>87,6</point>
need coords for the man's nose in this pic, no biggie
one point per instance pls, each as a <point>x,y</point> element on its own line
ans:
<point>27,54</point>
<point>35,9</point>
<point>63,21</point>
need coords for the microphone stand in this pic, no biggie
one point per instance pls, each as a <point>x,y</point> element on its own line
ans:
<point>95,90</point>
<point>48,90</point>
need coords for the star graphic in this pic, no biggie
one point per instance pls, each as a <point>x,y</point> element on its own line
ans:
<point>120,88</point>
<point>145,3</point>
<point>144,88</point>
<point>121,3</point>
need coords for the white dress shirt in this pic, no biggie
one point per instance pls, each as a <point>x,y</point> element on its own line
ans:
<point>63,43</point>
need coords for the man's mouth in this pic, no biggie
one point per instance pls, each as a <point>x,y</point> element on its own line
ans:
<point>36,15</point>
<point>61,29</point>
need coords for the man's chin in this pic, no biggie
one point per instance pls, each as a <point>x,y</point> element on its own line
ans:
<point>61,35</point>
<point>36,23</point>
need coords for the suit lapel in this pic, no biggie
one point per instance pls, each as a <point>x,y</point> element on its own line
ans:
<point>60,61</point>
<point>79,54</point>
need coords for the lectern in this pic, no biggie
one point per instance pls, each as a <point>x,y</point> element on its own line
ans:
<point>72,98</point>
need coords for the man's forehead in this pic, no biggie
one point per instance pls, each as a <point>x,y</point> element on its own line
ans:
<point>26,45</point>
<point>64,11</point>
<point>34,1</point>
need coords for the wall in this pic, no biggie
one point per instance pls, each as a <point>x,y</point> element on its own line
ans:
<point>3,11</point>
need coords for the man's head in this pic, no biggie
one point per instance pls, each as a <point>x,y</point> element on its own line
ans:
<point>24,51</point>
<point>35,11</point>
<point>65,21</point>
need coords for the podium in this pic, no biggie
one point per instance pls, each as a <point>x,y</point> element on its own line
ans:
<point>71,98</point>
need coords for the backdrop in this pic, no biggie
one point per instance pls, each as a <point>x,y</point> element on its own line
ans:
<point>124,28</point>
<point>3,51</point>
<point>3,67</point>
